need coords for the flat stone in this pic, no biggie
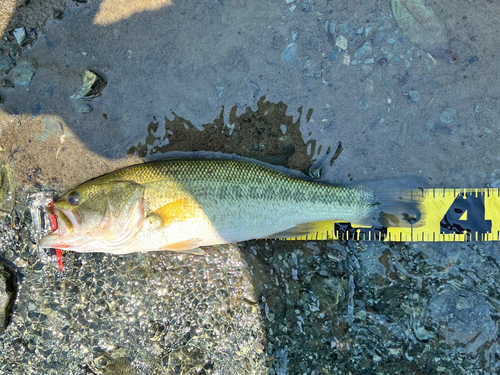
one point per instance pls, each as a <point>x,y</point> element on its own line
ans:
<point>23,73</point>
<point>364,51</point>
<point>289,53</point>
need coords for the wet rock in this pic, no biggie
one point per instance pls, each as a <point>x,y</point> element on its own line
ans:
<point>414,96</point>
<point>7,83</point>
<point>6,64</point>
<point>8,294</point>
<point>289,53</point>
<point>93,84</point>
<point>14,52</point>
<point>447,116</point>
<point>20,35</point>
<point>86,109</point>
<point>23,73</point>
<point>364,51</point>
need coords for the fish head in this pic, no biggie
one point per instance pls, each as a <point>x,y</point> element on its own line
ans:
<point>100,215</point>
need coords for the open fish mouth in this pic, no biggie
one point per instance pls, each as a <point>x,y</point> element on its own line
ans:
<point>63,223</point>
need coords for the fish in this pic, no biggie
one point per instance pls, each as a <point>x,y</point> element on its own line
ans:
<point>183,204</point>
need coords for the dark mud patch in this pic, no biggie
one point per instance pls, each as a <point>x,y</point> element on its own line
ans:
<point>268,134</point>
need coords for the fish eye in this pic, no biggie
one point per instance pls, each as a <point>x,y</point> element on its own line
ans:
<point>73,198</point>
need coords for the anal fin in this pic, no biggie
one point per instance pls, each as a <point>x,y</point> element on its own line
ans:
<point>298,230</point>
<point>187,247</point>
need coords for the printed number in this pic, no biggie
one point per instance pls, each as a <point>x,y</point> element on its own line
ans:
<point>471,208</point>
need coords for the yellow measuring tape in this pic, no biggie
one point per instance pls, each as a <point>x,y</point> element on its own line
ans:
<point>450,215</point>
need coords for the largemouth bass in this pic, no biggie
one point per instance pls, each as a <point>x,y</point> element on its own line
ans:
<point>180,205</point>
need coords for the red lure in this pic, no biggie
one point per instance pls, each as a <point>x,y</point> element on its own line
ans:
<point>53,224</point>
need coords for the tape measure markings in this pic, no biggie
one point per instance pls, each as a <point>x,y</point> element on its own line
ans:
<point>451,215</point>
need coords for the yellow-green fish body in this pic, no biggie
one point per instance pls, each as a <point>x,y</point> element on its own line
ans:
<point>180,205</point>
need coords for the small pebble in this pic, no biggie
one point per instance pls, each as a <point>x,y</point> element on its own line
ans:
<point>364,51</point>
<point>20,35</point>
<point>341,42</point>
<point>378,37</point>
<point>334,55</point>
<point>447,116</point>
<point>14,52</point>
<point>414,96</point>
<point>289,53</point>
<point>86,109</point>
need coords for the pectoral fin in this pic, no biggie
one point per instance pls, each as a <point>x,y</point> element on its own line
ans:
<point>188,247</point>
<point>176,211</point>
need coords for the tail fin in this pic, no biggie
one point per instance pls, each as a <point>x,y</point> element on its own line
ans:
<point>396,203</point>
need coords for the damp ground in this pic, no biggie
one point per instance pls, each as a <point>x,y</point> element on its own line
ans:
<point>285,82</point>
